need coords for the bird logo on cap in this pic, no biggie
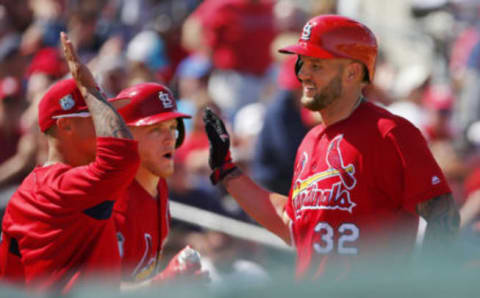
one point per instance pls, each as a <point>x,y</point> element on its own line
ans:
<point>67,102</point>
<point>307,32</point>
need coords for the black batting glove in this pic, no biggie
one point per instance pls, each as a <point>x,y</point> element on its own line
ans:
<point>219,159</point>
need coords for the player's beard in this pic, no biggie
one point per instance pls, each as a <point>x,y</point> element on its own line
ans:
<point>326,96</point>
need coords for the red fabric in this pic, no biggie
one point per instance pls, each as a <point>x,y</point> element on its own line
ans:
<point>142,224</point>
<point>472,183</point>
<point>239,33</point>
<point>11,268</point>
<point>48,61</point>
<point>63,236</point>
<point>355,187</point>
<point>61,98</point>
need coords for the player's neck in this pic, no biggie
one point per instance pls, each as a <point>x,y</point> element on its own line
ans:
<point>148,181</point>
<point>60,152</point>
<point>340,109</point>
<point>54,157</point>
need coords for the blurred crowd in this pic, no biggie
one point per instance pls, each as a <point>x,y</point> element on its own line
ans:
<point>222,54</point>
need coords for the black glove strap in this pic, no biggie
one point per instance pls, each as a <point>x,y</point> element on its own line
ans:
<point>220,173</point>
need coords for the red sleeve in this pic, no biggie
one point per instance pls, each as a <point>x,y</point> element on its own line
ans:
<point>11,267</point>
<point>113,170</point>
<point>410,173</point>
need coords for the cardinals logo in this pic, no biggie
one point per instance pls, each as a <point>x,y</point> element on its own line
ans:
<point>67,102</point>
<point>307,31</point>
<point>148,262</point>
<point>167,102</point>
<point>310,193</point>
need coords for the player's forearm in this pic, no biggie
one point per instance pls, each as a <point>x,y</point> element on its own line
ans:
<point>263,206</point>
<point>443,221</point>
<point>107,121</point>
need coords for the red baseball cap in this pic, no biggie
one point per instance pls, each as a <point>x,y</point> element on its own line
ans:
<point>150,103</point>
<point>62,100</point>
<point>48,61</point>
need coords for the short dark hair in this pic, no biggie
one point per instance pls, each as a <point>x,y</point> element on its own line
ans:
<point>51,131</point>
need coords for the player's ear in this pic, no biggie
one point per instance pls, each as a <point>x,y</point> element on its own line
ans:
<point>353,72</point>
<point>64,125</point>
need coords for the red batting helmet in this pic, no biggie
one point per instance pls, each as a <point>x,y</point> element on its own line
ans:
<point>334,36</point>
<point>151,103</point>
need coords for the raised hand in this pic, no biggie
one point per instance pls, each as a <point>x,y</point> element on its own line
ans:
<point>219,159</point>
<point>80,72</point>
<point>107,121</point>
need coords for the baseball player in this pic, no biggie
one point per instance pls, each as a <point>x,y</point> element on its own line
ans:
<point>58,228</point>
<point>361,178</point>
<point>142,215</point>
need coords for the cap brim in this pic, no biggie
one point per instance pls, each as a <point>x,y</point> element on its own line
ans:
<point>117,103</point>
<point>154,119</point>
<point>306,49</point>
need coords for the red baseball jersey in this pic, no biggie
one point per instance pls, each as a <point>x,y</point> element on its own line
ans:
<point>355,188</point>
<point>58,229</point>
<point>142,223</point>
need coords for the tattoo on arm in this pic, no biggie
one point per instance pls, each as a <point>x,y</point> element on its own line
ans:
<point>108,123</point>
<point>442,217</point>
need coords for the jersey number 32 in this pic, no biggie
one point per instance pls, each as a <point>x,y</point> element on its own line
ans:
<point>347,233</point>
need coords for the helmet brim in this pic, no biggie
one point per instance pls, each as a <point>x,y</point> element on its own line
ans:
<point>154,119</point>
<point>306,49</point>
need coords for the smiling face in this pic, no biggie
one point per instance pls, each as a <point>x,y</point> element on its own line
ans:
<point>156,146</point>
<point>321,81</point>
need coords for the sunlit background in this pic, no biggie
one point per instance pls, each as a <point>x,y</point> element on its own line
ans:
<point>223,54</point>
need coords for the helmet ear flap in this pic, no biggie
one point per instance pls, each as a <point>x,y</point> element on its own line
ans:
<point>181,132</point>
<point>298,67</point>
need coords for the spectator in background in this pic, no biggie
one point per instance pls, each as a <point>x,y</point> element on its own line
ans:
<point>285,125</point>
<point>110,66</point>
<point>465,70</point>
<point>11,105</point>
<point>191,162</point>
<point>411,83</point>
<point>247,124</point>
<point>229,261</point>
<point>81,26</point>
<point>46,67</point>
<point>48,21</point>
<point>191,80</point>
<point>10,134</point>
<point>19,13</point>
<point>238,34</point>
<point>30,147</point>
<point>438,102</point>
<point>12,62</point>
<point>146,52</point>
